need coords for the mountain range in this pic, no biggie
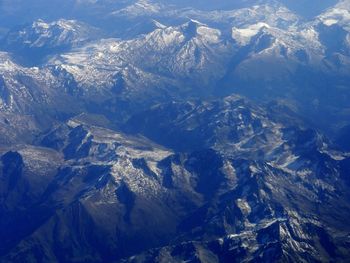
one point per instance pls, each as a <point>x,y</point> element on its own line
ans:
<point>174,131</point>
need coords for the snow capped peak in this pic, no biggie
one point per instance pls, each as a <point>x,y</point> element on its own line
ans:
<point>52,34</point>
<point>61,23</point>
<point>194,23</point>
<point>68,24</point>
<point>244,35</point>
<point>6,64</point>
<point>340,14</point>
<point>274,15</point>
<point>40,24</point>
<point>139,8</point>
<point>196,29</point>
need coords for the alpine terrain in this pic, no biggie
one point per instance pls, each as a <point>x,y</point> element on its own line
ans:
<point>174,131</point>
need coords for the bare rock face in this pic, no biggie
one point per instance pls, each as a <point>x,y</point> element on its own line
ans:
<point>121,195</point>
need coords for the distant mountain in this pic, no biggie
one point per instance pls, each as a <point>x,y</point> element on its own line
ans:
<point>189,52</point>
<point>32,43</point>
<point>302,7</point>
<point>262,52</point>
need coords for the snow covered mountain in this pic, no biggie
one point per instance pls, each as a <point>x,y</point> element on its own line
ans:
<point>32,99</point>
<point>33,42</point>
<point>189,52</point>
<point>261,52</point>
<point>61,33</point>
<point>174,131</point>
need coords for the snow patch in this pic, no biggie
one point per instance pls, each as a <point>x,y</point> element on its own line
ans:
<point>330,22</point>
<point>244,206</point>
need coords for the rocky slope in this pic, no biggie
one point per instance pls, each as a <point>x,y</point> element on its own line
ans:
<point>31,99</point>
<point>287,201</point>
